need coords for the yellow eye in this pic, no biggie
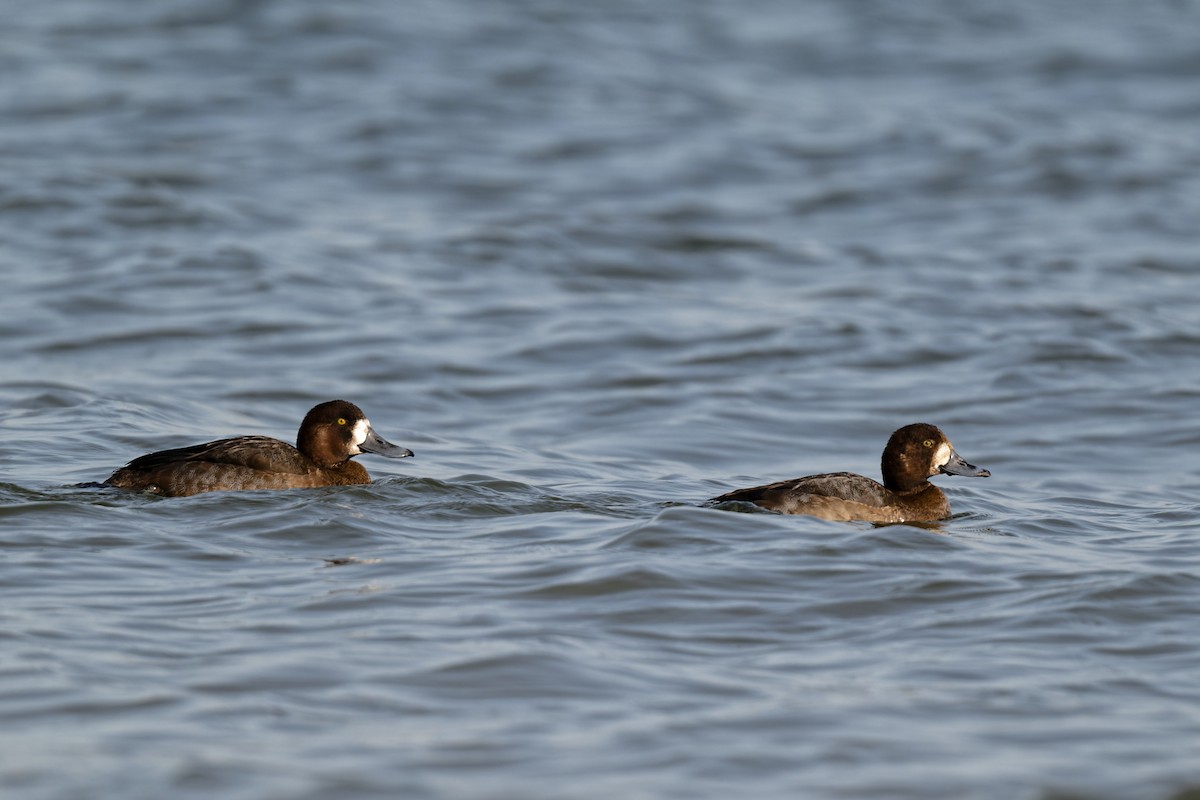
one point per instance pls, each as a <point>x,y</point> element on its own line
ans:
<point>341,420</point>
<point>927,442</point>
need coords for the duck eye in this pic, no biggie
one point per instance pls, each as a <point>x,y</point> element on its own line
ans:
<point>927,442</point>
<point>341,420</point>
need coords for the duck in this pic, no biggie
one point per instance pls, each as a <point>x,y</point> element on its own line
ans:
<point>331,434</point>
<point>913,454</point>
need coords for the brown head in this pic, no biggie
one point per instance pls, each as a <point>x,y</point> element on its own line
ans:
<point>335,432</point>
<point>919,451</point>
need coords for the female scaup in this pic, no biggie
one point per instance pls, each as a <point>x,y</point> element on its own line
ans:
<point>330,435</point>
<point>912,455</point>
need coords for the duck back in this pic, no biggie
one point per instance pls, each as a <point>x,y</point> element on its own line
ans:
<point>842,497</point>
<point>244,462</point>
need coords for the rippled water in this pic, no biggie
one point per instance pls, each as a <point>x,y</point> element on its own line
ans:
<point>595,264</point>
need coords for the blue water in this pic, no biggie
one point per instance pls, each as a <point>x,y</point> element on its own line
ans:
<point>596,264</point>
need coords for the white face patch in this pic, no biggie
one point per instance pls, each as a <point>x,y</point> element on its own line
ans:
<point>358,435</point>
<point>941,456</point>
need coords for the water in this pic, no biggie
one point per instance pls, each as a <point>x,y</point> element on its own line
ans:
<point>595,264</point>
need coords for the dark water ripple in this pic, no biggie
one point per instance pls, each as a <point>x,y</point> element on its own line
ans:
<point>596,264</point>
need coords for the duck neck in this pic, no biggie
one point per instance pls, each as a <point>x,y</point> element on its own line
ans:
<point>907,491</point>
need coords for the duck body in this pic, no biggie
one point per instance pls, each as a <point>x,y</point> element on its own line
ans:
<point>331,434</point>
<point>913,454</point>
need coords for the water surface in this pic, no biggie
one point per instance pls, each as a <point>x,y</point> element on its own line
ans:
<point>596,265</point>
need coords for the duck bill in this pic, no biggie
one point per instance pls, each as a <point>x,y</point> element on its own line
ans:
<point>374,443</point>
<point>957,465</point>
